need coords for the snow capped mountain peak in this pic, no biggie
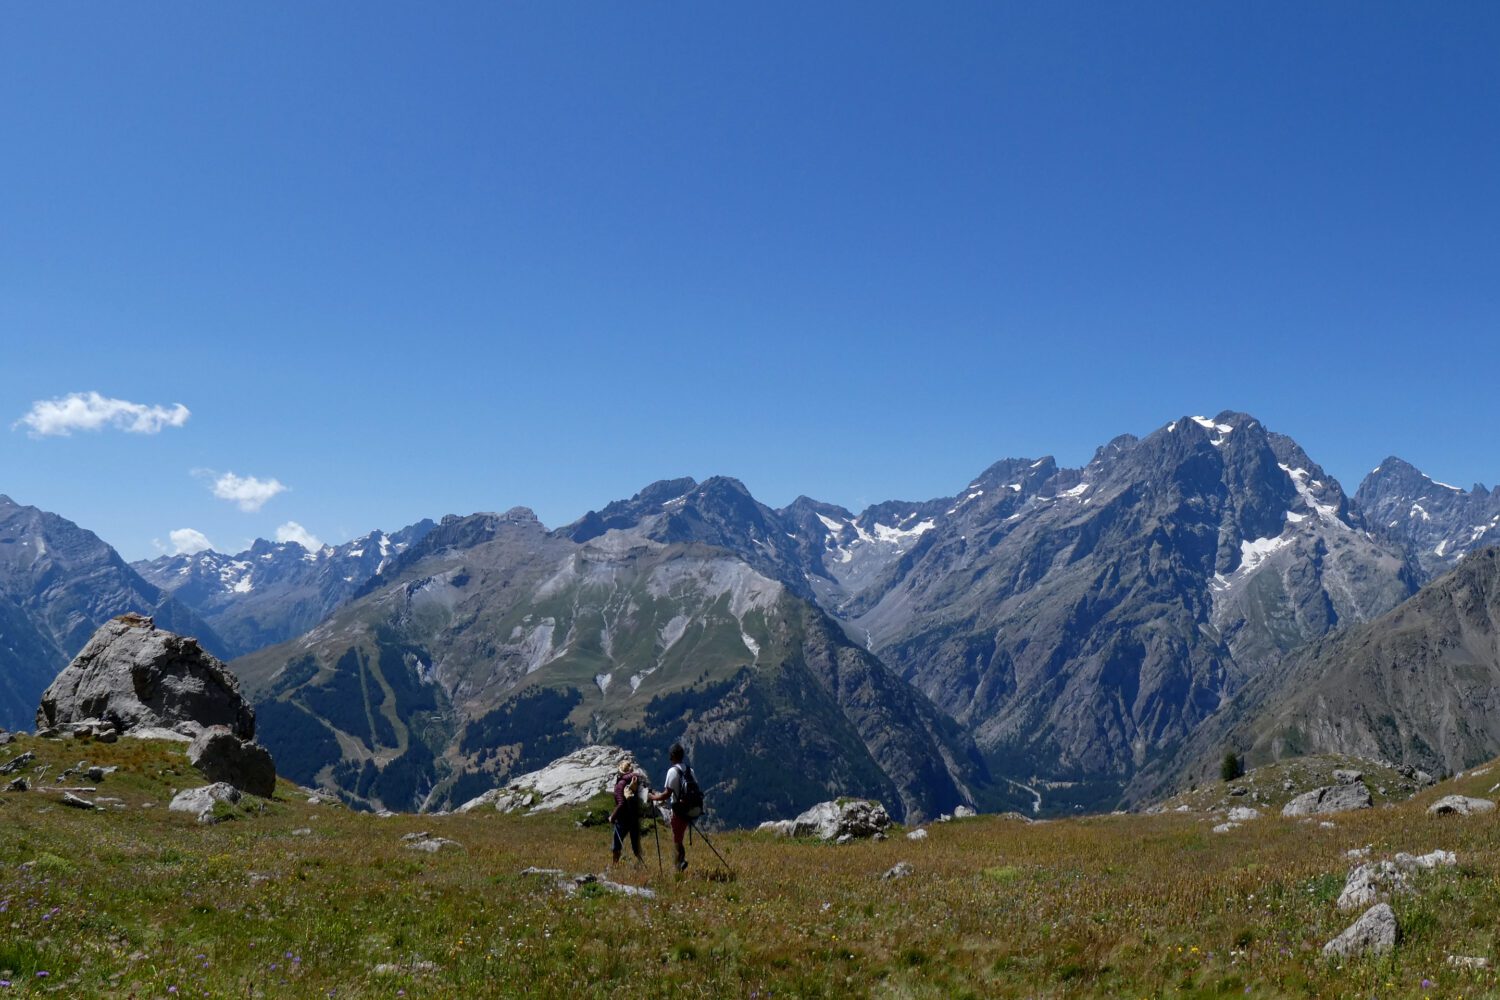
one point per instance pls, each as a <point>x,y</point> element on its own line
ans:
<point>1437,521</point>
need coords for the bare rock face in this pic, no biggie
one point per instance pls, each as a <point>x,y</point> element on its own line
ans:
<point>135,677</point>
<point>223,756</point>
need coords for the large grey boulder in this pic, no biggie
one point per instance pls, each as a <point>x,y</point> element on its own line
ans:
<point>223,756</point>
<point>568,781</point>
<point>842,820</point>
<point>1460,805</point>
<point>134,676</point>
<point>201,801</point>
<point>1375,933</point>
<point>1330,799</point>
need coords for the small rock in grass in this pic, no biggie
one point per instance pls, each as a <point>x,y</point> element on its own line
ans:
<point>1239,790</point>
<point>917,834</point>
<point>899,870</point>
<point>1459,805</point>
<point>201,801</point>
<point>431,845</point>
<point>417,968</point>
<point>1226,827</point>
<point>542,871</point>
<point>1343,777</point>
<point>69,799</point>
<point>304,831</point>
<point>16,763</point>
<point>963,812</point>
<point>1374,933</point>
<point>1468,961</point>
<point>1243,814</point>
<point>1426,862</point>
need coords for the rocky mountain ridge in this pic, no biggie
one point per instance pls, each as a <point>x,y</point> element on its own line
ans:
<point>1076,627</point>
<point>1416,686</point>
<point>1079,623</point>
<point>1439,524</point>
<point>507,646</point>
<point>274,591</point>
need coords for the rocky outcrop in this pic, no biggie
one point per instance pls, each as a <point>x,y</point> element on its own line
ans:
<point>427,843</point>
<point>843,820</point>
<point>201,801</point>
<point>223,756</point>
<point>1370,881</point>
<point>1460,805</point>
<point>16,763</point>
<point>1331,799</point>
<point>133,676</point>
<point>567,781</point>
<point>1375,933</point>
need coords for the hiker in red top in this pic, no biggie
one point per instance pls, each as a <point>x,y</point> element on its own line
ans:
<point>626,818</point>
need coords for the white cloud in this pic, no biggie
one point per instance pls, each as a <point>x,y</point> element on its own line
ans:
<point>89,411</point>
<point>248,492</point>
<point>186,541</point>
<point>294,532</point>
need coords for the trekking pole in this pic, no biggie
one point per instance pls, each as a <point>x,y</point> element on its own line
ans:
<point>656,833</point>
<point>711,847</point>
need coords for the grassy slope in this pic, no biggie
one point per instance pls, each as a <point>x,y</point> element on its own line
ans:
<point>135,901</point>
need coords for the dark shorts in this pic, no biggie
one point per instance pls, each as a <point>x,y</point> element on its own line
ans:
<point>679,828</point>
<point>629,829</point>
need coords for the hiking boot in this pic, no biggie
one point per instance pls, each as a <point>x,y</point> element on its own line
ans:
<point>682,865</point>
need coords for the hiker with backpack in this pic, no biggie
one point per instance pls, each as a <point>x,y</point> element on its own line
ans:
<point>686,800</point>
<point>626,817</point>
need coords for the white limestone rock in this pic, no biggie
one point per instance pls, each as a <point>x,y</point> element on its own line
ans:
<point>1374,933</point>
<point>1460,805</point>
<point>201,801</point>
<point>568,781</point>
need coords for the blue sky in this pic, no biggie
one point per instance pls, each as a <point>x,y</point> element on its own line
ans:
<point>409,261</point>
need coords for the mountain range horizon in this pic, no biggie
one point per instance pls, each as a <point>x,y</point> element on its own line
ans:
<point>1045,638</point>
